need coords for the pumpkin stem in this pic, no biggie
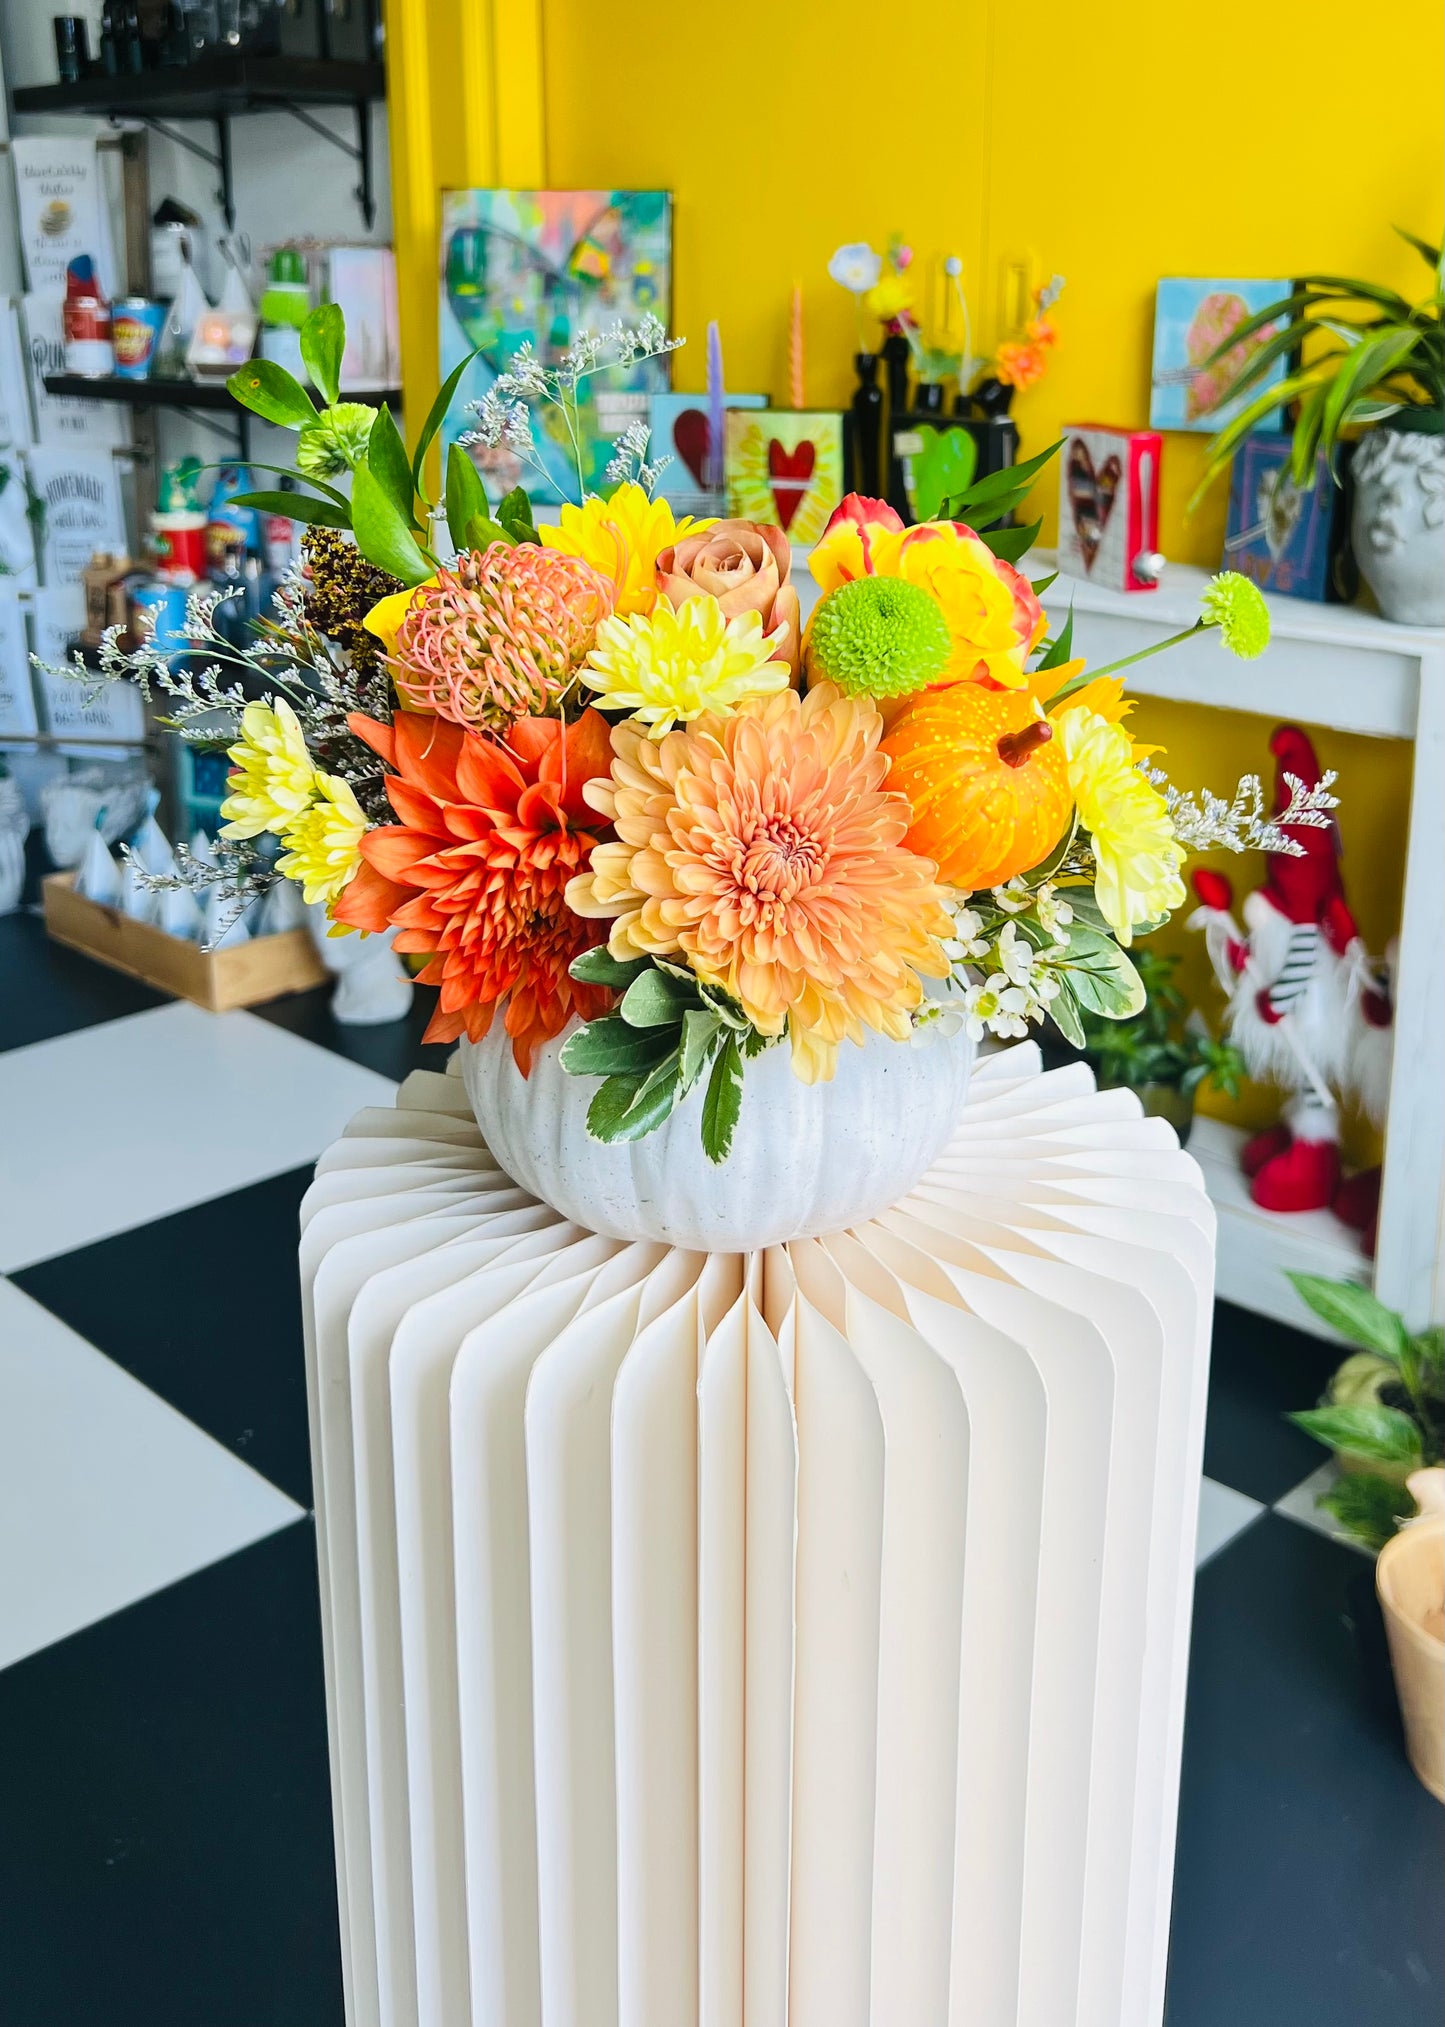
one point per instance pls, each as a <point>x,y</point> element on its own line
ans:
<point>1015,747</point>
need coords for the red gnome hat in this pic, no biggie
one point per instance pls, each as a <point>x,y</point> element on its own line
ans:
<point>1307,888</point>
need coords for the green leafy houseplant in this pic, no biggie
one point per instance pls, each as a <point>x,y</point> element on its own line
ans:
<point>1158,1052</point>
<point>1356,354</point>
<point>1383,1412</point>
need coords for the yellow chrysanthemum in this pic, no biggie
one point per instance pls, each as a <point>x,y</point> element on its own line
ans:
<point>1137,856</point>
<point>678,661</point>
<point>323,844</point>
<point>622,538</point>
<point>274,776</point>
<point>763,850</point>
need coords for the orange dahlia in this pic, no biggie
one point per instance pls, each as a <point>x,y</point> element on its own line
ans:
<point>763,847</point>
<point>499,635</point>
<point>476,871</point>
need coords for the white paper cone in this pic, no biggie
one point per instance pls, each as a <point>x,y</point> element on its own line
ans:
<point>136,900</point>
<point>99,876</point>
<point>178,914</point>
<point>225,920</point>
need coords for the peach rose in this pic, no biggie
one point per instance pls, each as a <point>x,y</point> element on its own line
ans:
<point>744,566</point>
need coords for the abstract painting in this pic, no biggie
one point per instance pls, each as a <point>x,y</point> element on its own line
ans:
<point>680,431</point>
<point>544,267</point>
<point>785,467</point>
<point>1192,318</point>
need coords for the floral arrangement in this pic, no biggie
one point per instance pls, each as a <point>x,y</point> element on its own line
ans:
<point>884,286</point>
<point>599,782</point>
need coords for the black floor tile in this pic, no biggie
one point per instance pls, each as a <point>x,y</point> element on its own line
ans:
<point>165,1833</point>
<point>47,989</point>
<point>1311,1866</point>
<point>1260,1370</point>
<point>392,1049</point>
<point>205,1309</point>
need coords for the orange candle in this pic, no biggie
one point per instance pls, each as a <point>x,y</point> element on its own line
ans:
<point>796,391</point>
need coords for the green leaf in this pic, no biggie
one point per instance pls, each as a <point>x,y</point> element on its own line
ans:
<point>515,515</point>
<point>1380,1435</point>
<point>482,532</point>
<point>1431,255</point>
<point>1061,648</point>
<point>1368,1507</point>
<point>701,1031</point>
<point>722,1102</point>
<point>1430,1355</point>
<point>323,340</point>
<point>297,507</point>
<point>386,456</point>
<point>600,967</point>
<point>304,478</point>
<point>1355,1313</point>
<point>987,492</point>
<point>436,415</point>
<point>627,1109</point>
<point>1065,1015</point>
<point>465,495</point>
<point>656,1000</point>
<point>1087,912</point>
<point>1012,543</point>
<point>1101,977</point>
<point>269,391</point>
<point>382,536</point>
<point>1040,585</point>
<point>608,1047</point>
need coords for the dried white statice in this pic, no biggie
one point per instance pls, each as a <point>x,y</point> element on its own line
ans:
<point>629,460</point>
<point>1207,822</point>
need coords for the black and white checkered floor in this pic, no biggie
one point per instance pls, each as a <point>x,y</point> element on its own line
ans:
<point>165,1838</point>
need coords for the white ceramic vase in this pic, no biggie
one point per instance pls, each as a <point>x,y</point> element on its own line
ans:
<point>372,985</point>
<point>805,1158</point>
<point>1398,523</point>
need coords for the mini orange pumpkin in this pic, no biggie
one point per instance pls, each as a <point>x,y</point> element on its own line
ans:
<point>986,778</point>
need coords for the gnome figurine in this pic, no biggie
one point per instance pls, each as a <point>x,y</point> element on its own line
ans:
<point>1306,1008</point>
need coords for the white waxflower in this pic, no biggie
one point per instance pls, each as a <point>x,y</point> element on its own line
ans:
<point>856,267</point>
<point>1053,911</point>
<point>997,1006</point>
<point>934,1022</point>
<point>1015,898</point>
<point>1015,956</point>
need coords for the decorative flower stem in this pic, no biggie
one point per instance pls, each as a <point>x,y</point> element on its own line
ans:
<point>1092,675</point>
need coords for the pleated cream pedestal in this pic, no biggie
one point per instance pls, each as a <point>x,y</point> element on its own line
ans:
<point>789,1640</point>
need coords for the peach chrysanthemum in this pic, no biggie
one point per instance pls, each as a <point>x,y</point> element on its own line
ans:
<point>499,635</point>
<point>475,871</point>
<point>764,849</point>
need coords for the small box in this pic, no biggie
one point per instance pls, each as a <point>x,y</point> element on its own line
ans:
<point>1109,506</point>
<point>100,578</point>
<point>245,975</point>
<point>1288,538</point>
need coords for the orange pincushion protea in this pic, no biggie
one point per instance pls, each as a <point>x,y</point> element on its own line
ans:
<point>988,782</point>
<point>499,636</point>
<point>476,871</point>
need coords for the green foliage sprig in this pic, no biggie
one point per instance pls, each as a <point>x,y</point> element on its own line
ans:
<point>987,504</point>
<point>1157,1045</point>
<point>1372,355</point>
<point>669,1027</point>
<point>1383,1413</point>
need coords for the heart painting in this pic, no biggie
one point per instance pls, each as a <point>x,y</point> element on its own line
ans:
<point>691,441</point>
<point>785,469</point>
<point>1280,504</point>
<point>1091,496</point>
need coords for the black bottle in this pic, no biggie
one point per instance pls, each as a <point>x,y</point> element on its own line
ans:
<point>867,408</point>
<point>110,40</point>
<point>72,47</point>
<point>896,355</point>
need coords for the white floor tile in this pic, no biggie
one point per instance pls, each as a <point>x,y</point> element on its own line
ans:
<point>1223,1513</point>
<point>106,1493</point>
<point>1302,1504</point>
<point>119,1124</point>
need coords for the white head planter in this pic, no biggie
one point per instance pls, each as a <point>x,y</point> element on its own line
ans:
<point>372,985</point>
<point>1398,526</point>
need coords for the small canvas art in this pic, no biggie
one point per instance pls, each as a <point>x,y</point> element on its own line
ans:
<point>1280,534</point>
<point>679,425</point>
<point>1109,506</point>
<point>544,267</point>
<point>1192,318</point>
<point>785,468</point>
<point>938,459</point>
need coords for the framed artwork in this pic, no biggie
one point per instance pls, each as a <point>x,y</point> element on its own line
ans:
<point>679,424</point>
<point>785,467</point>
<point>1191,318</point>
<point>1109,505</point>
<point>1282,535</point>
<point>938,458</point>
<point>545,267</point>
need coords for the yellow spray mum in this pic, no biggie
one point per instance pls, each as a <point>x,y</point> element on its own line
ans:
<point>673,664</point>
<point>1138,859</point>
<point>622,539</point>
<point>274,776</point>
<point>324,841</point>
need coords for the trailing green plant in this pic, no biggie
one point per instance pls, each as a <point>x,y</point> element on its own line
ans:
<point>1160,1044</point>
<point>1383,1412</point>
<point>1355,354</point>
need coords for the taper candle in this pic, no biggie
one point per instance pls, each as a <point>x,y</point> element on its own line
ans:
<point>714,465</point>
<point>796,387</point>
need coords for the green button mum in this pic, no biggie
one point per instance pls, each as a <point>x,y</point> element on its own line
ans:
<point>879,637</point>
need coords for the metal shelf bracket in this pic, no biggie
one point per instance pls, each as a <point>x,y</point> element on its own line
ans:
<point>219,160</point>
<point>359,150</point>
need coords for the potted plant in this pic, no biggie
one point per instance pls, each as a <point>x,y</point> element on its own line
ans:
<point>1383,1416</point>
<point>1360,357</point>
<point>1163,1054</point>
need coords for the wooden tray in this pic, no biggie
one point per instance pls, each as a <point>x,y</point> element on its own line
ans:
<point>246,975</point>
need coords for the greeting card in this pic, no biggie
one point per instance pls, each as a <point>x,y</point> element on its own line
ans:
<point>785,467</point>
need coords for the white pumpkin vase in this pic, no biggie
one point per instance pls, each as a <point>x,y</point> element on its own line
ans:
<point>805,1159</point>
